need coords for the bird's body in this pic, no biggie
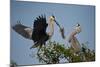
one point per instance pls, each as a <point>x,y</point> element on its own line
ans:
<point>73,40</point>
<point>38,34</point>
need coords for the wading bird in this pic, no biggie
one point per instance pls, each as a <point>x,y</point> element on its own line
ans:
<point>38,34</point>
<point>73,40</point>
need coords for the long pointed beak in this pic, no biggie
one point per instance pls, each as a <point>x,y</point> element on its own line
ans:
<point>57,24</point>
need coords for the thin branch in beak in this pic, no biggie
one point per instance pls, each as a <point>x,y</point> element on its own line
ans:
<point>61,29</point>
<point>62,33</point>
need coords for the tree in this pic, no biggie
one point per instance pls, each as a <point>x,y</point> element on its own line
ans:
<point>53,53</point>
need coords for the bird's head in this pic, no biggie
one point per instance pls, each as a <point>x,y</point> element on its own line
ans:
<point>77,25</point>
<point>78,28</point>
<point>52,18</point>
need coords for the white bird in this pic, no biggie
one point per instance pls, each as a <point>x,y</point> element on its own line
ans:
<point>73,40</point>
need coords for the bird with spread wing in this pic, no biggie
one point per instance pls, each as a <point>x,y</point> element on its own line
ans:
<point>38,33</point>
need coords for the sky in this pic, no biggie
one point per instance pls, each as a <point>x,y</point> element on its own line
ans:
<point>68,15</point>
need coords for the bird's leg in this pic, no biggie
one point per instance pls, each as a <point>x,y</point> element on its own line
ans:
<point>35,45</point>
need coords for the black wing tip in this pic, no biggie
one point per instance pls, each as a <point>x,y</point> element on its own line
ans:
<point>42,16</point>
<point>40,19</point>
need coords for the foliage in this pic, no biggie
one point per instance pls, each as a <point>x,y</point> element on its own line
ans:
<point>53,52</point>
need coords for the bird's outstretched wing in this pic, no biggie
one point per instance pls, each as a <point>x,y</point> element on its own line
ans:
<point>39,35</point>
<point>23,30</point>
<point>39,28</point>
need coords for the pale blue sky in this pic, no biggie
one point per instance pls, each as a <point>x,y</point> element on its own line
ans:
<point>66,14</point>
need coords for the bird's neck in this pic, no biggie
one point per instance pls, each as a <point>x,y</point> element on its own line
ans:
<point>51,27</point>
